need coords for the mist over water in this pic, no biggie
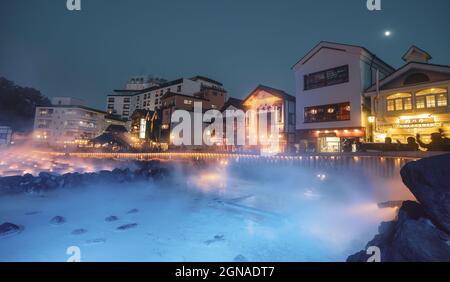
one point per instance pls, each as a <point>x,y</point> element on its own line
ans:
<point>213,212</point>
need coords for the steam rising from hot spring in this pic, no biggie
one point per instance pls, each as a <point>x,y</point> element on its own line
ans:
<point>213,212</point>
<point>339,211</point>
<point>24,159</point>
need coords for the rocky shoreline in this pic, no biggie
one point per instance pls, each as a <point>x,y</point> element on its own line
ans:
<point>421,231</point>
<point>143,171</point>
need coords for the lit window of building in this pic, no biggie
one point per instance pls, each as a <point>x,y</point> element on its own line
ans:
<point>432,98</point>
<point>420,105</point>
<point>442,100</point>
<point>327,113</point>
<point>399,102</point>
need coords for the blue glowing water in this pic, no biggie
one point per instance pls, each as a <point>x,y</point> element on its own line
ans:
<point>265,214</point>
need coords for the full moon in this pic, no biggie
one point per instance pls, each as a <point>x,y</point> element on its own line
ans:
<point>387,33</point>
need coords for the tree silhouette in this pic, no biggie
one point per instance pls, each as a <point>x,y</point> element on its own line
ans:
<point>18,105</point>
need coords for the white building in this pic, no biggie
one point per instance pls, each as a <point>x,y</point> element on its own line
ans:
<point>413,100</point>
<point>69,122</point>
<point>124,102</point>
<point>5,136</point>
<point>330,82</point>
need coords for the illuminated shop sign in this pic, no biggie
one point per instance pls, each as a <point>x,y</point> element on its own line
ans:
<point>142,128</point>
<point>417,123</point>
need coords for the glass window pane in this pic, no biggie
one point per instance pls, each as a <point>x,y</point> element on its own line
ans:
<point>399,105</point>
<point>420,102</point>
<point>407,103</point>
<point>390,105</point>
<point>431,101</point>
<point>442,100</point>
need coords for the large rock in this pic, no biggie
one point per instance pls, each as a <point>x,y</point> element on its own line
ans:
<point>142,171</point>
<point>58,220</point>
<point>429,181</point>
<point>11,184</point>
<point>9,229</point>
<point>111,218</point>
<point>127,226</point>
<point>72,179</point>
<point>410,238</point>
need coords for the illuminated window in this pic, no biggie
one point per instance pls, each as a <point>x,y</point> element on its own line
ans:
<point>142,128</point>
<point>407,104</point>
<point>431,101</point>
<point>420,102</point>
<point>442,100</point>
<point>322,113</point>
<point>398,105</point>
<point>432,98</point>
<point>399,102</point>
<point>390,105</point>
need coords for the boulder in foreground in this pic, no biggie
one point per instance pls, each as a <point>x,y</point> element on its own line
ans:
<point>429,181</point>
<point>411,238</point>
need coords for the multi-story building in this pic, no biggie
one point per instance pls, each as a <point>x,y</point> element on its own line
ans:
<point>172,102</point>
<point>125,102</point>
<point>122,103</point>
<point>412,100</point>
<point>279,108</point>
<point>69,122</point>
<point>330,82</point>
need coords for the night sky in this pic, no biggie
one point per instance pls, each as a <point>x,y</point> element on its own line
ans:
<point>241,43</point>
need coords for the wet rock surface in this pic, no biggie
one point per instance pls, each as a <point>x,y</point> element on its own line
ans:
<point>421,232</point>
<point>79,231</point>
<point>58,220</point>
<point>9,229</point>
<point>411,238</point>
<point>429,181</point>
<point>133,211</point>
<point>127,226</point>
<point>111,218</point>
<point>143,171</point>
<point>217,238</point>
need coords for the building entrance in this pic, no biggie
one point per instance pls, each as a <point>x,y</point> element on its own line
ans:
<point>329,144</point>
